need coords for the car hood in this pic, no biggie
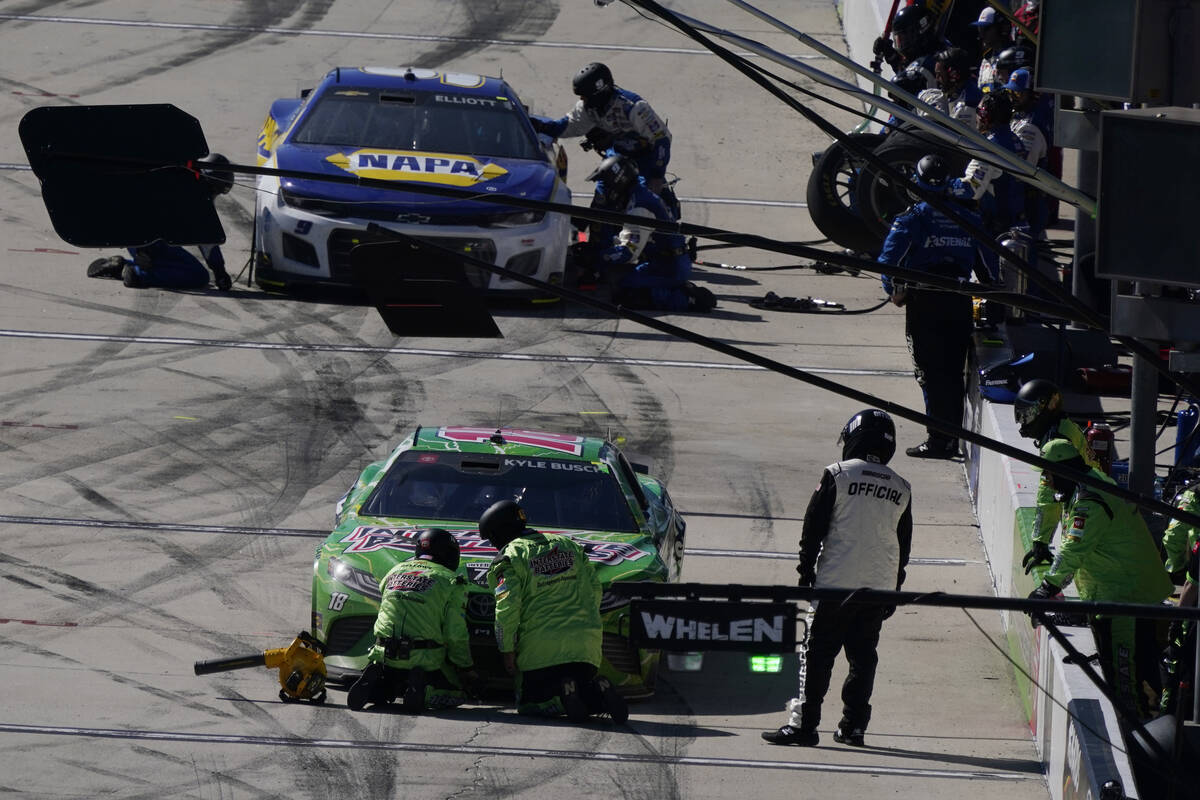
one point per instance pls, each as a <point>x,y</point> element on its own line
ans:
<point>516,177</point>
<point>377,545</point>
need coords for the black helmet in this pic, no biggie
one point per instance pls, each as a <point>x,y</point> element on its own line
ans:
<point>439,546</point>
<point>594,83</point>
<point>1037,407</point>
<point>1014,58</point>
<point>619,175</point>
<point>502,522</point>
<point>870,435</point>
<point>957,62</point>
<point>932,173</point>
<point>995,110</point>
<point>914,29</point>
<point>220,181</point>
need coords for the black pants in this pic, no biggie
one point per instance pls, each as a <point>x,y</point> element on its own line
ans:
<point>1129,652</point>
<point>833,628</point>
<point>539,686</point>
<point>938,326</point>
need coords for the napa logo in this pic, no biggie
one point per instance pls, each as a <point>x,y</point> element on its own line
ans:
<point>403,165</point>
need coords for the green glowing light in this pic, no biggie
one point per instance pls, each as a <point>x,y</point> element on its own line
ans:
<point>766,663</point>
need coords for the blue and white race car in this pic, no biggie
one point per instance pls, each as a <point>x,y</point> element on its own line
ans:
<point>406,124</point>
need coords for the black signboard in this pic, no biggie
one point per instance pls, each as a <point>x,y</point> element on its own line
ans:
<point>691,625</point>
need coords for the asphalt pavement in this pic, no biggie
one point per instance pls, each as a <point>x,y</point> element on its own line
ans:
<point>169,460</point>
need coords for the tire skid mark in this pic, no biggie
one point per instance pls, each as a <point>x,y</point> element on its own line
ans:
<point>491,19</point>
<point>175,698</point>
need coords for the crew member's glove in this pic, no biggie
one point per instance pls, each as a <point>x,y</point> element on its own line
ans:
<point>375,654</point>
<point>539,126</point>
<point>1045,591</point>
<point>510,663</point>
<point>884,48</point>
<point>473,683</point>
<point>618,254</point>
<point>1039,553</point>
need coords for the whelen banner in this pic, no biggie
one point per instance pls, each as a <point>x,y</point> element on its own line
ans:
<point>692,625</point>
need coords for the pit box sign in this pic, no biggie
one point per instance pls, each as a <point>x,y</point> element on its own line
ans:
<point>690,625</point>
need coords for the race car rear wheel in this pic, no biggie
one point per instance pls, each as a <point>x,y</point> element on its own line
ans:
<point>831,194</point>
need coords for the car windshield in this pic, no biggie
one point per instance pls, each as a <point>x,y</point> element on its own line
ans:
<point>461,486</point>
<point>422,121</point>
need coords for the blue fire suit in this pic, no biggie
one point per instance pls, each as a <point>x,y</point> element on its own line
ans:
<point>659,279</point>
<point>171,267</point>
<point>937,325</point>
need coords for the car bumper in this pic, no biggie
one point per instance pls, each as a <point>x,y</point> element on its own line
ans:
<point>295,246</point>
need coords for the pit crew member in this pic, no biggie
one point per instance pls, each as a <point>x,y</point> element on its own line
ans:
<point>937,325</point>
<point>910,51</point>
<point>857,534</point>
<point>1107,550</point>
<point>548,624</point>
<point>1000,196</point>
<point>170,266</point>
<point>637,131</point>
<point>422,649</point>
<point>1039,414</point>
<point>662,266</point>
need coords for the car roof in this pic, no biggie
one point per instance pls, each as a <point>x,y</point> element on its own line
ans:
<point>418,79</point>
<point>512,442</point>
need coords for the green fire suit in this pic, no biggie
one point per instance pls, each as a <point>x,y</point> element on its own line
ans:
<point>1180,536</point>
<point>548,614</point>
<point>426,603</point>
<point>547,601</point>
<point>1048,510</point>
<point>1107,549</point>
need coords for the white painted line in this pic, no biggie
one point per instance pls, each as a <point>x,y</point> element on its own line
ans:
<point>556,358</point>
<point>514,752</point>
<point>723,201</point>
<point>317,533</point>
<point>399,37</point>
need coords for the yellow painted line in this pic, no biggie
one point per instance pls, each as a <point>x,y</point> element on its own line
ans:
<point>189,419</point>
<point>595,412</point>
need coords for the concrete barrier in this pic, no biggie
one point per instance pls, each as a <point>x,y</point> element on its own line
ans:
<point>1082,749</point>
<point>1077,748</point>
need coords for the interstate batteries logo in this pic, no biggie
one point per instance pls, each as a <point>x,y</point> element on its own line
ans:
<point>409,582</point>
<point>555,562</point>
<point>399,165</point>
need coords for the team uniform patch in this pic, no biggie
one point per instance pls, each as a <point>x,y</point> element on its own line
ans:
<point>553,563</point>
<point>409,582</point>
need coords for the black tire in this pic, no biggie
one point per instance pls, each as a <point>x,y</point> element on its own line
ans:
<point>880,198</point>
<point>831,196</point>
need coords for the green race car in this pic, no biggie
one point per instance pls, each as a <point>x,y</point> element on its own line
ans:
<point>446,477</point>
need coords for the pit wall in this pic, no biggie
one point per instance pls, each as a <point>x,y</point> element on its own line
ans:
<point>1077,761</point>
<point>1075,752</point>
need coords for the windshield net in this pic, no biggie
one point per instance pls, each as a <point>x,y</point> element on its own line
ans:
<point>460,486</point>
<point>421,121</point>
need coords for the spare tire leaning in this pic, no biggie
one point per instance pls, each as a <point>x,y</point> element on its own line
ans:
<point>879,198</point>
<point>831,194</point>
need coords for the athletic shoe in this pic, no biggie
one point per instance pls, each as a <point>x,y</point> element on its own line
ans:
<point>852,737</point>
<point>933,449</point>
<point>363,690</point>
<point>223,281</point>
<point>614,704</point>
<point>789,735</point>
<point>129,277</point>
<point>414,693</point>
<point>572,701</point>
<point>106,267</point>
